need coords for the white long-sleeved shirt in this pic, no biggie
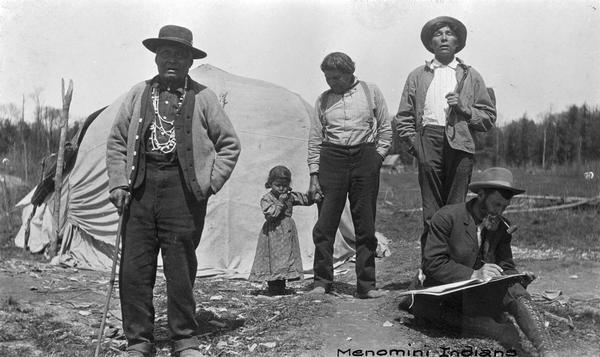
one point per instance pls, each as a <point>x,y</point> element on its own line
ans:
<point>349,121</point>
<point>444,82</point>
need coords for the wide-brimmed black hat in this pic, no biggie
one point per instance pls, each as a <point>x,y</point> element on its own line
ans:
<point>430,28</point>
<point>172,34</point>
<point>496,177</point>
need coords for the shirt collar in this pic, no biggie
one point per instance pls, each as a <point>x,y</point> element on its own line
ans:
<point>434,63</point>
<point>179,88</point>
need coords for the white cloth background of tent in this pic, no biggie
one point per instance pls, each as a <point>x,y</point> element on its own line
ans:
<point>272,124</point>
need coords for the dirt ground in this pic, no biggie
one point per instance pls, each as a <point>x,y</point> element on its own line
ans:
<point>70,301</point>
<point>56,311</point>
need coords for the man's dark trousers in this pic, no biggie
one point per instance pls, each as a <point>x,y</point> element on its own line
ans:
<point>347,172</point>
<point>163,215</point>
<point>444,173</point>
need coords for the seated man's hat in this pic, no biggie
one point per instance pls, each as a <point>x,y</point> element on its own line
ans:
<point>498,178</point>
<point>430,27</point>
<point>172,34</point>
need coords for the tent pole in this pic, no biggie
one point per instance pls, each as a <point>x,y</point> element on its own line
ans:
<point>66,97</point>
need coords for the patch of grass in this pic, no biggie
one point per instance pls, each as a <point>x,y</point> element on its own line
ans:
<point>11,191</point>
<point>10,251</point>
<point>560,229</point>
<point>9,226</point>
<point>9,303</point>
<point>563,181</point>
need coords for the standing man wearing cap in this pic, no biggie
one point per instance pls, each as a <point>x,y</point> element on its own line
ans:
<point>443,103</point>
<point>472,241</point>
<point>170,148</point>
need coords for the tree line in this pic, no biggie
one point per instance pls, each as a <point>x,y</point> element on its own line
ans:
<point>565,138</point>
<point>25,145</point>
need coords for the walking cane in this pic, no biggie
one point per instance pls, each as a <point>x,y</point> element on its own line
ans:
<point>111,283</point>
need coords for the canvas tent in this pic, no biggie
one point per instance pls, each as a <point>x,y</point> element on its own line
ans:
<point>272,124</point>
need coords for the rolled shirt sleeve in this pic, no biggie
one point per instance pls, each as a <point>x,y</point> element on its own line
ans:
<point>315,139</point>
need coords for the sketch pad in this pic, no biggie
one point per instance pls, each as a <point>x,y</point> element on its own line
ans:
<point>445,289</point>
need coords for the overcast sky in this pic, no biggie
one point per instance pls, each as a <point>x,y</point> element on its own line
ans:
<point>537,55</point>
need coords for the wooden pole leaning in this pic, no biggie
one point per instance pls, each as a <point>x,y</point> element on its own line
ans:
<point>58,177</point>
<point>111,284</point>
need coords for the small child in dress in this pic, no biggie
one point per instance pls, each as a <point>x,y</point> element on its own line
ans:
<point>277,257</point>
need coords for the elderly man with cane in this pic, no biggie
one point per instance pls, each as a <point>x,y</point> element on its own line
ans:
<point>170,148</point>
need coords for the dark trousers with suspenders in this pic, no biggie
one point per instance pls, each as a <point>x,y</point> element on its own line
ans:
<point>347,172</point>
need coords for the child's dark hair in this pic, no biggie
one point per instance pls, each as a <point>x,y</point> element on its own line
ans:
<point>278,173</point>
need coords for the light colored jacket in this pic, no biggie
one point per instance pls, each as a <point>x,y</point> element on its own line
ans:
<point>459,129</point>
<point>215,146</point>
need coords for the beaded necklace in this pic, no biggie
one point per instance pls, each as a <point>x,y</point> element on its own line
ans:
<point>158,127</point>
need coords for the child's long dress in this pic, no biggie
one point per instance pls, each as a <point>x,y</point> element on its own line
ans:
<point>278,250</point>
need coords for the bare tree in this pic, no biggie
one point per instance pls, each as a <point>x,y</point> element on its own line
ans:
<point>10,111</point>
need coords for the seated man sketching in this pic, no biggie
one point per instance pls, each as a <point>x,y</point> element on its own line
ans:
<point>472,241</point>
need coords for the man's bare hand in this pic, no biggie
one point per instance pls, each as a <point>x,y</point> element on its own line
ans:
<point>314,189</point>
<point>120,198</point>
<point>486,272</point>
<point>454,101</point>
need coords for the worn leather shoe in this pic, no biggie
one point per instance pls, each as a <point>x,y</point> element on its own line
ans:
<point>373,294</point>
<point>191,352</point>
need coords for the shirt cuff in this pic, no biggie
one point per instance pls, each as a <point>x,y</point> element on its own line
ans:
<point>382,152</point>
<point>126,188</point>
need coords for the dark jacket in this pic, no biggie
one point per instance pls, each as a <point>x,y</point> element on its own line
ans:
<point>451,251</point>
<point>459,129</point>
